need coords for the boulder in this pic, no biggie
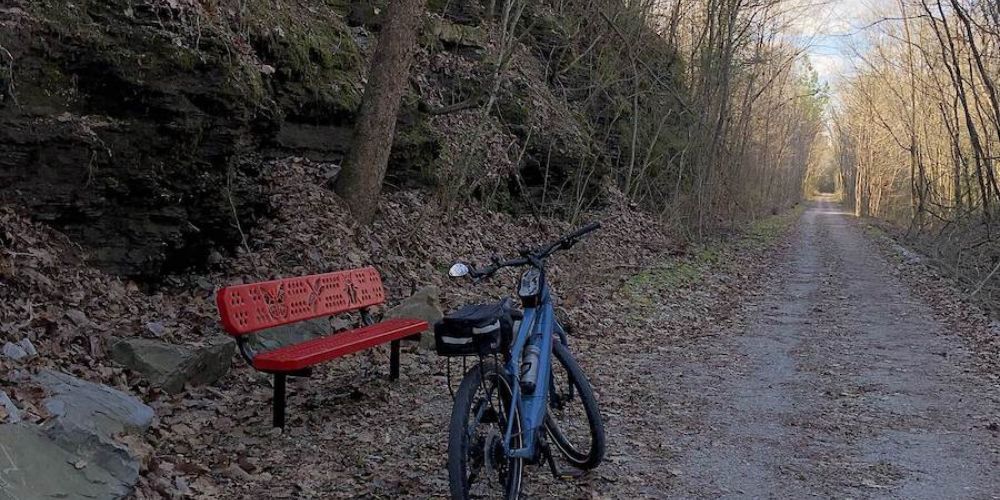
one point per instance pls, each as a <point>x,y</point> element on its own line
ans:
<point>28,347</point>
<point>78,317</point>
<point>156,328</point>
<point>424,304</point>
<point>14,351</point>
<point>86,417</point>
<point>457,35</point>
<point>35,466</point>
<point>908,256</point>
<point>170,366</point>
<point>8,406</point>
<point>98,408</point>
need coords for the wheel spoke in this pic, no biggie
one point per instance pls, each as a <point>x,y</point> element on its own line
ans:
<point>481,468</point>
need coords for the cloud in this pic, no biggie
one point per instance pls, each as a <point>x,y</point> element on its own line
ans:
<point>830,17</point>
<point>831,31</point>
<point>830,67</point>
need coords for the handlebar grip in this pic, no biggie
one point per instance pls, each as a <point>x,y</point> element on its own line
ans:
<point>481,273</point>
<point>589,228</point>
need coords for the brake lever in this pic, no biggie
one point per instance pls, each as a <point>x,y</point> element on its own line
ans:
<point>477,275</point>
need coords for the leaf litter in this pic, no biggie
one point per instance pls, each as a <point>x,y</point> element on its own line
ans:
<point>350,432</point>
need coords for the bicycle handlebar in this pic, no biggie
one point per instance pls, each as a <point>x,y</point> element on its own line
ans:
<point>538,254</point>
<point>583,231</point>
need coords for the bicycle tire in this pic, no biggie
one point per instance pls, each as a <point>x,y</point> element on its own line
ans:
<point>595,454</point>
<point>459,440</point>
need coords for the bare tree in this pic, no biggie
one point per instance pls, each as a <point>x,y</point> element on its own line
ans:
<point>941,67</point>
<point>361,180</point>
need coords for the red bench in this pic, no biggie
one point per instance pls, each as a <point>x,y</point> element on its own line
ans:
<point>249,308</point>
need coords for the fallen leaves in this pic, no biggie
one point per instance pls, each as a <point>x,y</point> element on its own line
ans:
<point>350,432</point>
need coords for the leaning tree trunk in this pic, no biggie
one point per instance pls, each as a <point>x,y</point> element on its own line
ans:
<point>361,180</point>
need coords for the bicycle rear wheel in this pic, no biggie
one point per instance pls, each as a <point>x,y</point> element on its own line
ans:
<point>477,464</point>
<point>574,421</point>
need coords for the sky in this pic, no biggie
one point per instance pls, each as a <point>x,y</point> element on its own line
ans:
<point>831,30</point>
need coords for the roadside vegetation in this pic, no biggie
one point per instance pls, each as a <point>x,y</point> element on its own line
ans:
<point>915,140</point>
<point>674,273</point>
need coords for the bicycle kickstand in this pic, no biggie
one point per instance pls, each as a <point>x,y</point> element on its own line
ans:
<point>553,466</point>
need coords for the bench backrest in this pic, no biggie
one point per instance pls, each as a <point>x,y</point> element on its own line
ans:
<point>256,306</point>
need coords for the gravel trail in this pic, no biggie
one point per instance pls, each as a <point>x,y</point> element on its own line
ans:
<point>837,381</point>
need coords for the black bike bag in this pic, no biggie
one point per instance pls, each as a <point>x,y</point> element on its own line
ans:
<point>475,330</point>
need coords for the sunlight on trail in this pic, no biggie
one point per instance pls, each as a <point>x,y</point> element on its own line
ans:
<point>835,212</point>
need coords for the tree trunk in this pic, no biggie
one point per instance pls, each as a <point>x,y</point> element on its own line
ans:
<point>361,180</point>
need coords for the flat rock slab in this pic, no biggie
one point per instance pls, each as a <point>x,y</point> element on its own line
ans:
<point>280,336</point>
<point>13,414</point>
<point>94,408</point>
<point>425,305</point>
<point>13,351</point>
<point>33,466</point>
<point>74,454</point>
<point>88,416</point>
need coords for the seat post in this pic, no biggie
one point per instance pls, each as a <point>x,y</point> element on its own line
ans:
<point>279,399</point>
<point>394,360</point>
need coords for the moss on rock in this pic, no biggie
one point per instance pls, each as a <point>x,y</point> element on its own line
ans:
<point>318,67</point>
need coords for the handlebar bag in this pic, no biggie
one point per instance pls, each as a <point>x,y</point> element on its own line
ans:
<point>475,330</point>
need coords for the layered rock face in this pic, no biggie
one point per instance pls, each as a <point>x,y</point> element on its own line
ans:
<point>141,128</point>
<point>135,127</point>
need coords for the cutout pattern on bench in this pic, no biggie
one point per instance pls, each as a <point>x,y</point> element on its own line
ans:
<point>249,308</point>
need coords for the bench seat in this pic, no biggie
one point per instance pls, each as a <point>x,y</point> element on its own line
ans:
<point>313,352</point>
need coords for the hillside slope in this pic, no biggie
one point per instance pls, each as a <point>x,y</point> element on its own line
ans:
<point>140,128</point>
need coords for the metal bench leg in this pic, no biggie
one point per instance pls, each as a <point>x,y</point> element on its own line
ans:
<point>279,399</point>
<point>394,360</point>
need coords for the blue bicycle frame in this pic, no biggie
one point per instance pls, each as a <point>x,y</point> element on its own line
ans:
<point>531,408</point>
<point>537,327</point>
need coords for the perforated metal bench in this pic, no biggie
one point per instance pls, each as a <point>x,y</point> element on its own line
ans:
<point>250,308</point>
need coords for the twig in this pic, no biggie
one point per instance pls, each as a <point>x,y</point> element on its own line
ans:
<point>10,69</point>
<point>980,287</point>
<point>236,218</point>
<point>471,102</point>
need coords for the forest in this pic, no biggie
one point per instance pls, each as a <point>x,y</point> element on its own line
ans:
<point>267,248</point>
<point>916,136</point>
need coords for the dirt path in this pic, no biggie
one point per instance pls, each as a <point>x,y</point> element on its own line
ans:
<point>838,382</point>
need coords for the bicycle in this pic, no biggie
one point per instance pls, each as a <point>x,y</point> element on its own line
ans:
<point>503,418</point>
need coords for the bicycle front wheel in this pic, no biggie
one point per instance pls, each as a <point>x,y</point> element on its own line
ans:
<point>573,420</point>
<point>477,464</point>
